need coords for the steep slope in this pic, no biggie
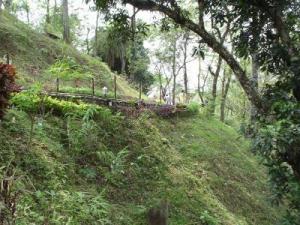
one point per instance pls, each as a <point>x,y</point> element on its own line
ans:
<point>96,167</point>
<point>230,183</point>
<point>33,53</point>
<point>67,163</point>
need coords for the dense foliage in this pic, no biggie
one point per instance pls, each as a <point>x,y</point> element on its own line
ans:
<point>68,69</point>
<point>277,132</point>
<point>121,45</point>
<point>97,147</point>
<point>267,28</point>
<point>7,86</point>
<point>277,139</point>
<point>66,162</point>
<point>88,165</point>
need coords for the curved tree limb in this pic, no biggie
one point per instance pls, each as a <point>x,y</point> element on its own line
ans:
<point>178,16</point>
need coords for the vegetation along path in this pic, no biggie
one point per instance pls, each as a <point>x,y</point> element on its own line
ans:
<point>119,104</point>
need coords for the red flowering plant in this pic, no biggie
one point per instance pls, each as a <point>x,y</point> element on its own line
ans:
<point>7,86</point>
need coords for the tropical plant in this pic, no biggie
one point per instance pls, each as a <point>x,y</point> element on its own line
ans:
<point>7,86</point>
<point>67,68</point>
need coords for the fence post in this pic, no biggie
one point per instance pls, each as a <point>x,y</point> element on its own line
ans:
<point>115,86</point>
<point>57,84</point>
<point>93,86</point>
<point>140,96</point>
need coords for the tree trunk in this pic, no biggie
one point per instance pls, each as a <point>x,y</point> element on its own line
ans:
<point>27,13</point>
<point>254,80</point>
<point>48,12</point>
<point>174,91</point>
<point>55,7</point>
<point>216,75</point>
<point>1,3</point>
<point>133,46</point>
<point>66,24</point>
<point>174,71</point>
<point>185,75</point>
<point>199,82</point>
<point>211,41</point>
<point>87,41</point>
<point>123,58</point>
<point>160,87</point>
<point>96,34</point>
<point>222,105</point>
<point>225,89</point>
<point>215,86</point>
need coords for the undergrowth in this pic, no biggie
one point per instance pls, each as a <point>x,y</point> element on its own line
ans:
<point>36,56</point>
<point>83,164</point>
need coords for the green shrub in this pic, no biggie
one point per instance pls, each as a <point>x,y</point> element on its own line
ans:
<point>207,219</point>
<point>193,108</point>
<point>31,101</point>
<point>67,68</point>
<point>63,207</point>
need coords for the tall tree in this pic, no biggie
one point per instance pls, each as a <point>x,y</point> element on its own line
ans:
<point>55,7</point>
<point>278,52</point>
<point>254,80</point>
<point>133,41</point>
<point>201,87</point>
<point>174,73</point>
<point>96,33</point>
<point>163,59</point>
<point>27,10</point>
<point>175,12</point>
<point>66,23</point>
<point>215,75</point>
<point>225,88</point>
<point>115,42</point>
<point>186,39</point>
<point>87,41</point>
<point>48,12</point>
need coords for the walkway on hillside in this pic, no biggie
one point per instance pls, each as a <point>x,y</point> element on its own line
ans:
<point>119,104</point>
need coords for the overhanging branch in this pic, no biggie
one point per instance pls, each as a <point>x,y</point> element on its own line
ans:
<point>209,39</point>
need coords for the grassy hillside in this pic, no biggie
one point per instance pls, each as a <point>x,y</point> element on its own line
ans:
<point>33,53</point>
<point>230,183</point>
<point>73,163</point>
<point>86,165</point>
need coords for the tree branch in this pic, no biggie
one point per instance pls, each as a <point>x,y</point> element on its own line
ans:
<point>210,40</point>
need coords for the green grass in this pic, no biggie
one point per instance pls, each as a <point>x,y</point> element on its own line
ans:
<point>123,165</point>
<point>202,167</point>
<point>233,184</point>
<point>33,53</point>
